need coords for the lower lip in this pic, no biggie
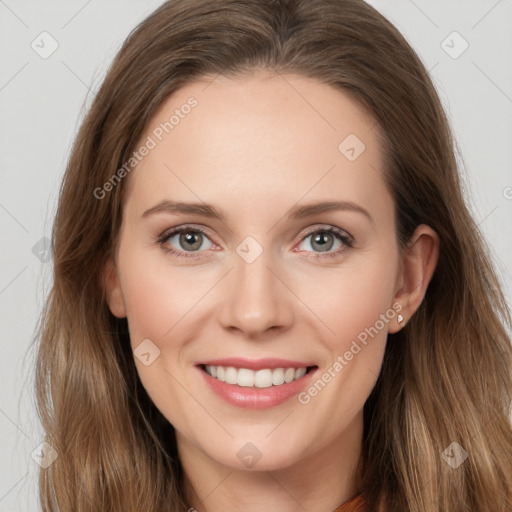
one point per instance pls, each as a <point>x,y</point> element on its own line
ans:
<point>256,398</point>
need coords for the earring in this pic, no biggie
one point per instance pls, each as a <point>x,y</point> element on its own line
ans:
<point>400,319</point>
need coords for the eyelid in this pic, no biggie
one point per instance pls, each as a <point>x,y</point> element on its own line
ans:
<point>328,228</point>
<point>171,232</point>
<point>346,238</point>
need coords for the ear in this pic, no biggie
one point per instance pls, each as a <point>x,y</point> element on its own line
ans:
<point>417,268</point>
<point>113,290</point>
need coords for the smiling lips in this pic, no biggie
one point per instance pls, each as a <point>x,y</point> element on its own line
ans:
<point>256,384</point>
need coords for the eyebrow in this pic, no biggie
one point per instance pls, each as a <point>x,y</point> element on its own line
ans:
<point>296,212</point>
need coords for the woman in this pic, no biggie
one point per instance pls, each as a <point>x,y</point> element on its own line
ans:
<point>249,370</point>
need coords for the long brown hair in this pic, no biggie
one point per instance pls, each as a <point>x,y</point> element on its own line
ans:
<point>446,376</point>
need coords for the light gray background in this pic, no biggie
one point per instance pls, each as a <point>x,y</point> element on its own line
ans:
<point>42,102</point>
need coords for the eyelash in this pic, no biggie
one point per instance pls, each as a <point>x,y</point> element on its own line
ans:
<point>346,239</point>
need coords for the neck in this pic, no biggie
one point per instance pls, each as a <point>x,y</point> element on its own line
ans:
<point>319,482</point>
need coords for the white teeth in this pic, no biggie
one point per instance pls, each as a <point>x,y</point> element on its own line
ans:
<point>260,379</point>
<point>289,374</point>
<point>245,377</point>
<point>300,372</point>
<point>263,378</point>
<point>231,375</point>
<point>278,377</point>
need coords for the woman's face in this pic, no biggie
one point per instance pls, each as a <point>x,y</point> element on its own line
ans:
<point>271,282</point>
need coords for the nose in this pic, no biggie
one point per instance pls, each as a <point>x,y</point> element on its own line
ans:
<point>255,298</point>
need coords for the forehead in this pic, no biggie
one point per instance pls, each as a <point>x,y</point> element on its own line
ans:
<point>265,136</point>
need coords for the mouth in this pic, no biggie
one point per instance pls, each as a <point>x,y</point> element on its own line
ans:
<point>256,383</point>
<point>260,378</point>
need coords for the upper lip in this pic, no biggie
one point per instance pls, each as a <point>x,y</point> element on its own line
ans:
<point>256,364</point>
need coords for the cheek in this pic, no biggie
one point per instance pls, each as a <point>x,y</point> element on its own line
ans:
<point>158,298</point>
<point>159,303</point>
<point>356,305</point>
<point>364,301</point>
<point>350,299</point>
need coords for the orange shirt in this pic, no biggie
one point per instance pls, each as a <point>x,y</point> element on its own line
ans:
<point>355,504</point>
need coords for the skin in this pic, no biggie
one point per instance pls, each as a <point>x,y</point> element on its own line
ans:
<point>254,147</point>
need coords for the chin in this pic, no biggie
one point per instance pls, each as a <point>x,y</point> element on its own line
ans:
<point>246,455</point>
